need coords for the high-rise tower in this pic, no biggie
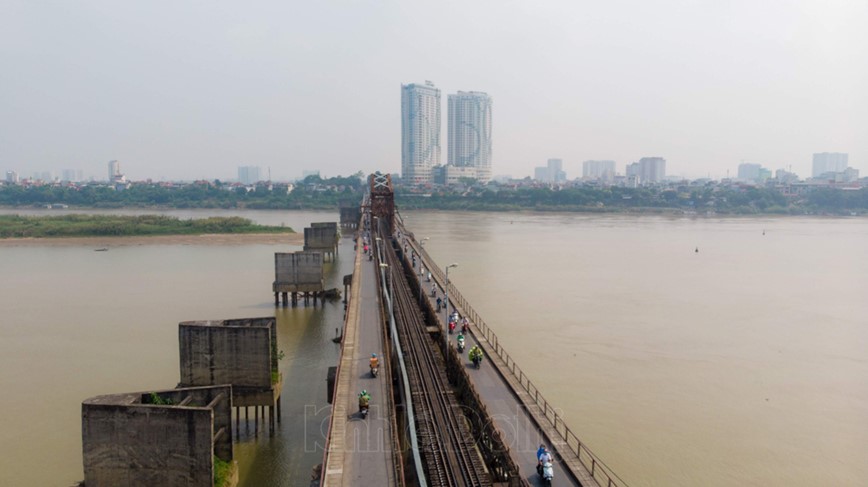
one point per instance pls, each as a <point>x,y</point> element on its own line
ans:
<point>114,170</point>
<point>825,162</point>
<point>420,132</point>
<point>470,132</point>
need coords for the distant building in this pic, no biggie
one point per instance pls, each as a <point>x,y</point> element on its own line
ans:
<point>420,132</point>
<point>848,175</point>
<point>12,177</point>
<point>453,174</point>
<point>469,126</point>
<point>248,175</point>
<point>603,170</point>
<point>825,162</point>
<point>114,170</point>
<point>72,175</point>
<point>652,169</point>
<point>305,173</point>
<point>748,171</point>
<point>552,172</point>
<point>785,177</point>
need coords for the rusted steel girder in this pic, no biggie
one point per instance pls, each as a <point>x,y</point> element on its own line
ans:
<point>383,200</point>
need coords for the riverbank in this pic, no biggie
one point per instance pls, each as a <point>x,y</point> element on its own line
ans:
<point>228,239</point>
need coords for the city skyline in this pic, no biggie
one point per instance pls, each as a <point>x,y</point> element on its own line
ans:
<point>296,87</point>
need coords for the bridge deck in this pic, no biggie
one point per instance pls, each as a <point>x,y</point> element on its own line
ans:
<point>521,421</point>
<point>361,450</point>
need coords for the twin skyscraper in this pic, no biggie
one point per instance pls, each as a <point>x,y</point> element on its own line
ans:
<point>469,128</point>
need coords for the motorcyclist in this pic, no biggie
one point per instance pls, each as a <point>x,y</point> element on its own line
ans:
<point>364,399</point>
<point>460,340</point>
<point>375,362</point>
<point>544,464</point>
<point>464,324</point>
<point>543,458</point>
<point>451,327</point>
<point>475,354</point>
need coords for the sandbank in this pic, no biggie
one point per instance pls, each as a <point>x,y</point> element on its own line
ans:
<point>206,239</point>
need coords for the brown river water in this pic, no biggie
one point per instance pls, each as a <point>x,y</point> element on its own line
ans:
<point>746,361</point>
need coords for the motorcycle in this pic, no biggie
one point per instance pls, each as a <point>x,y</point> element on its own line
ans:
<point>374,370</point>
<point>461,345</point>
<point>363,410</point>
<point>546,472</point>
<point>451,327</point>
<point>464,328</point>
<point>477,361</point>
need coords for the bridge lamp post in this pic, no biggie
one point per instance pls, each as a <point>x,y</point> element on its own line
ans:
<point>421,248</point>
<point>446,321</point>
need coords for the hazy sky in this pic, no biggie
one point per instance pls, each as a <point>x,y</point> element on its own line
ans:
<point>193,89</point>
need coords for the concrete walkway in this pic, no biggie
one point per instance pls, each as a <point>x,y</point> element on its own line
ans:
<point>520,431</point>
<point>361,450</point>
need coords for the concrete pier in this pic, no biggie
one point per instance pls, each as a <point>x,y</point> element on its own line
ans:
<point>297,274</point>
<point>322,237</point>
<point>240,352</point>
<point>168,438</point>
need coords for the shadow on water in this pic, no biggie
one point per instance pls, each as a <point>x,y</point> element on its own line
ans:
<point>305,336</point>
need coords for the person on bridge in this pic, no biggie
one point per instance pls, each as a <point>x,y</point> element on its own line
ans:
<point>364,399</point>
<point>545,456</point>
<point>475,355</point>
<point>439,303</point>
<point>375,362</point>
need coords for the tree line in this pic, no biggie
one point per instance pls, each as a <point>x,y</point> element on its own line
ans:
<point>317,193</point>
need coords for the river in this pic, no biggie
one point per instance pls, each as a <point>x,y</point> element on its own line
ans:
<point>742,362</point>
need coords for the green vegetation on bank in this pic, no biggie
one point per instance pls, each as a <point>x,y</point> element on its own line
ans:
<point>317,193</point>
<point>700,200</point>
<point>312,193</point>
<point>16,226</point>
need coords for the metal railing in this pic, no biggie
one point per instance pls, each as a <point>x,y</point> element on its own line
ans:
<point>599,470</point>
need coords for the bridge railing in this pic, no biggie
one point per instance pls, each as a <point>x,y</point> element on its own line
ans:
<point>599,470</point>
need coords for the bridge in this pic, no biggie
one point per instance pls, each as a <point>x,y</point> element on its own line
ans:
<point>435,419</point>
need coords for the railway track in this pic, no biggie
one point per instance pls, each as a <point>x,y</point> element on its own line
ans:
<point>445,440</point>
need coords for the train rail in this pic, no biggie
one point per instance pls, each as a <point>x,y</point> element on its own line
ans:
<point>445,440</point>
